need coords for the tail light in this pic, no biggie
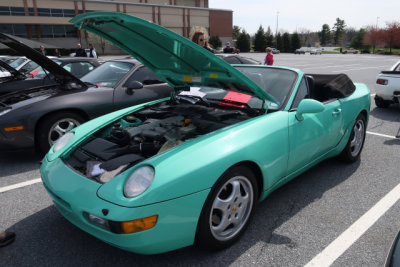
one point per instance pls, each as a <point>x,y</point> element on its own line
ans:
<point>382,81</point>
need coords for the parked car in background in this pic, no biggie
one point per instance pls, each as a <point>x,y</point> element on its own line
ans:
<point>21,81</point>
<point>236,59</point>
<point>299,51</point>
<point>275,51</point>
<point>315,51</point>
<point>87,50</point>
<point>350,51</point>
<point>387,87</point>
<point>78,66</point>
<point>39,116</point>
<point>190,169</point>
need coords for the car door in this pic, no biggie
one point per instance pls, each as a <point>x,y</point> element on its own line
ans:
<point>316,134</point>
<point>153,88</point>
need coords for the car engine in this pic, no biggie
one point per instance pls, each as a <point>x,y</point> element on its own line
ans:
<point>145,133</point>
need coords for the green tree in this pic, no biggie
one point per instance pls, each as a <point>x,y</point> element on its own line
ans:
<point>338,29</point>
<point>215,41</point>
<point>286,42</point>
<point>295,41</point>
<point>325,34</point>
<point>260,42</point>
<point>243,41</point>
<point>269,38</point>
<point>279,41</point>
<point>357,41</point>
<point>235,32</point>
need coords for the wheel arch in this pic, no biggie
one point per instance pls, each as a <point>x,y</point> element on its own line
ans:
<point>256,171</point>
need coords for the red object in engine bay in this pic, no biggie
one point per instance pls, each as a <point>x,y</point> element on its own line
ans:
<point>235,99</point>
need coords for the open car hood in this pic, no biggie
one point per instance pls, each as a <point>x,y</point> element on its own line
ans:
<point>11,70</point>
<point>61,75</point>
<point>172,57</point>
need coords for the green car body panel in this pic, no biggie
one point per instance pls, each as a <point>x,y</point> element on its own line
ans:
<point>274,145</point>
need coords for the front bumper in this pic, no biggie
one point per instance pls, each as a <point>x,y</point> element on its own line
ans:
<point>75,195</point>
<point>15,139</point>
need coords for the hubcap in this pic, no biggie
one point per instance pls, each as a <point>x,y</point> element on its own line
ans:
<point>60,128</point>
<point>358,135</point>
<point>231,208</point>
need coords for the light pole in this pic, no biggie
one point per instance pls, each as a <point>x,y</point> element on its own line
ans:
<point>377,20</point>
<point>276,31</point>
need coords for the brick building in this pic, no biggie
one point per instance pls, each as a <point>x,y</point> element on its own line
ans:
<point>47,20</point>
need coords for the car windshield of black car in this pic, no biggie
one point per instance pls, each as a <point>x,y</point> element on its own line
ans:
<point>108,74</point>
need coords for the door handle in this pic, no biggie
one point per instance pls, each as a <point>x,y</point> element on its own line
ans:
<point>336,112</point>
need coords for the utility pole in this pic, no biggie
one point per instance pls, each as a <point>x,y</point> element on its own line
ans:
<point>276,31</point>
<point>377,20</point>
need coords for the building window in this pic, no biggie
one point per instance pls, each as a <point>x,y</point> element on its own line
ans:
<point>17,11</point>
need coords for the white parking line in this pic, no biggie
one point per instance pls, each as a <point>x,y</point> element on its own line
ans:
<point>364,68</point>
<point>335,249</point>
<point>19,185</point>
<point>382,135</point>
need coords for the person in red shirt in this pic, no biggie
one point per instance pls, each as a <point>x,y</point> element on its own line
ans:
<point>269,59</point>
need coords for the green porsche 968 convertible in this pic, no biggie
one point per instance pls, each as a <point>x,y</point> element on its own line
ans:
<point>190,168</point>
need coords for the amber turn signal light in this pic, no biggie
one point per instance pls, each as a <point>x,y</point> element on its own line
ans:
<point>15,128</point>
<point>139,224</point>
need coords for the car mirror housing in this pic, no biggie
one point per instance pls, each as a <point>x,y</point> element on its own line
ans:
<point>133,85</point>
<point>308,106</point>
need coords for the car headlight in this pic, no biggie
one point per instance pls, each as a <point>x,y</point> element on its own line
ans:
<point>139,181</point>
<point>63,141</point>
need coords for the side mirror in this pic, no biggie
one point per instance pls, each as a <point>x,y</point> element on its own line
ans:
<point>133,85</point>
<point>308,106</point>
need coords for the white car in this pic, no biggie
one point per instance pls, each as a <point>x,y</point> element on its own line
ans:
<point>387,87</point>
<point>315,52</point>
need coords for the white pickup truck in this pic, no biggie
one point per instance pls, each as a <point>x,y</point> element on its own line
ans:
<point>387,87</point>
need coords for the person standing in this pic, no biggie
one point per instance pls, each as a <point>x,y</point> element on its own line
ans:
<point>57,53</point>
<point>200,39</point>
<point>42,50</point>
<point>6,238</point>
<point>269,59</point>
<point>80,52</point>
<point>228,49</point>
<point>92,52</point>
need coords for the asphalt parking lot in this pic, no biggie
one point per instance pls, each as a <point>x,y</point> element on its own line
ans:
<point>347,215</point>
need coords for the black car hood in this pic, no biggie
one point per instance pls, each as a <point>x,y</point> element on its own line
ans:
<point>11,70</point>
<point>62,76</point>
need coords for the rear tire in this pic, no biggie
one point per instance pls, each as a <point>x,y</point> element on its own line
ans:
<point>53,127</point>
<point>228,209</point>
<point>352,151</point>
<point>380,103</point>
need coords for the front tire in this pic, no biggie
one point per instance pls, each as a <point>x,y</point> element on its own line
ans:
<point>53,127</point>
<point>352,151</point>
<point>228,209</point>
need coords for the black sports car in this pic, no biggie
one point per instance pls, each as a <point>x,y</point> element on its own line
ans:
<point>39,116</point>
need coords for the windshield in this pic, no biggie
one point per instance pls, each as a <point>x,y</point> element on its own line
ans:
<point>275,81</point>
<point>108,74</point>
<point>15,64</point>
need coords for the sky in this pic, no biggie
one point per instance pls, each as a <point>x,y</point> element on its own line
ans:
<point>310,14</point>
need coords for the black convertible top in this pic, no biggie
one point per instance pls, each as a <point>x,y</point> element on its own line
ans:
<point>324,87</point>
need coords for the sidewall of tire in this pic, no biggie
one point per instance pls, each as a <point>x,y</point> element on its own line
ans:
<point>346,153</point>
<point>204,237</point>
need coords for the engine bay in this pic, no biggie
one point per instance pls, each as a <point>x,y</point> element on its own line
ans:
<point>145,133</point>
